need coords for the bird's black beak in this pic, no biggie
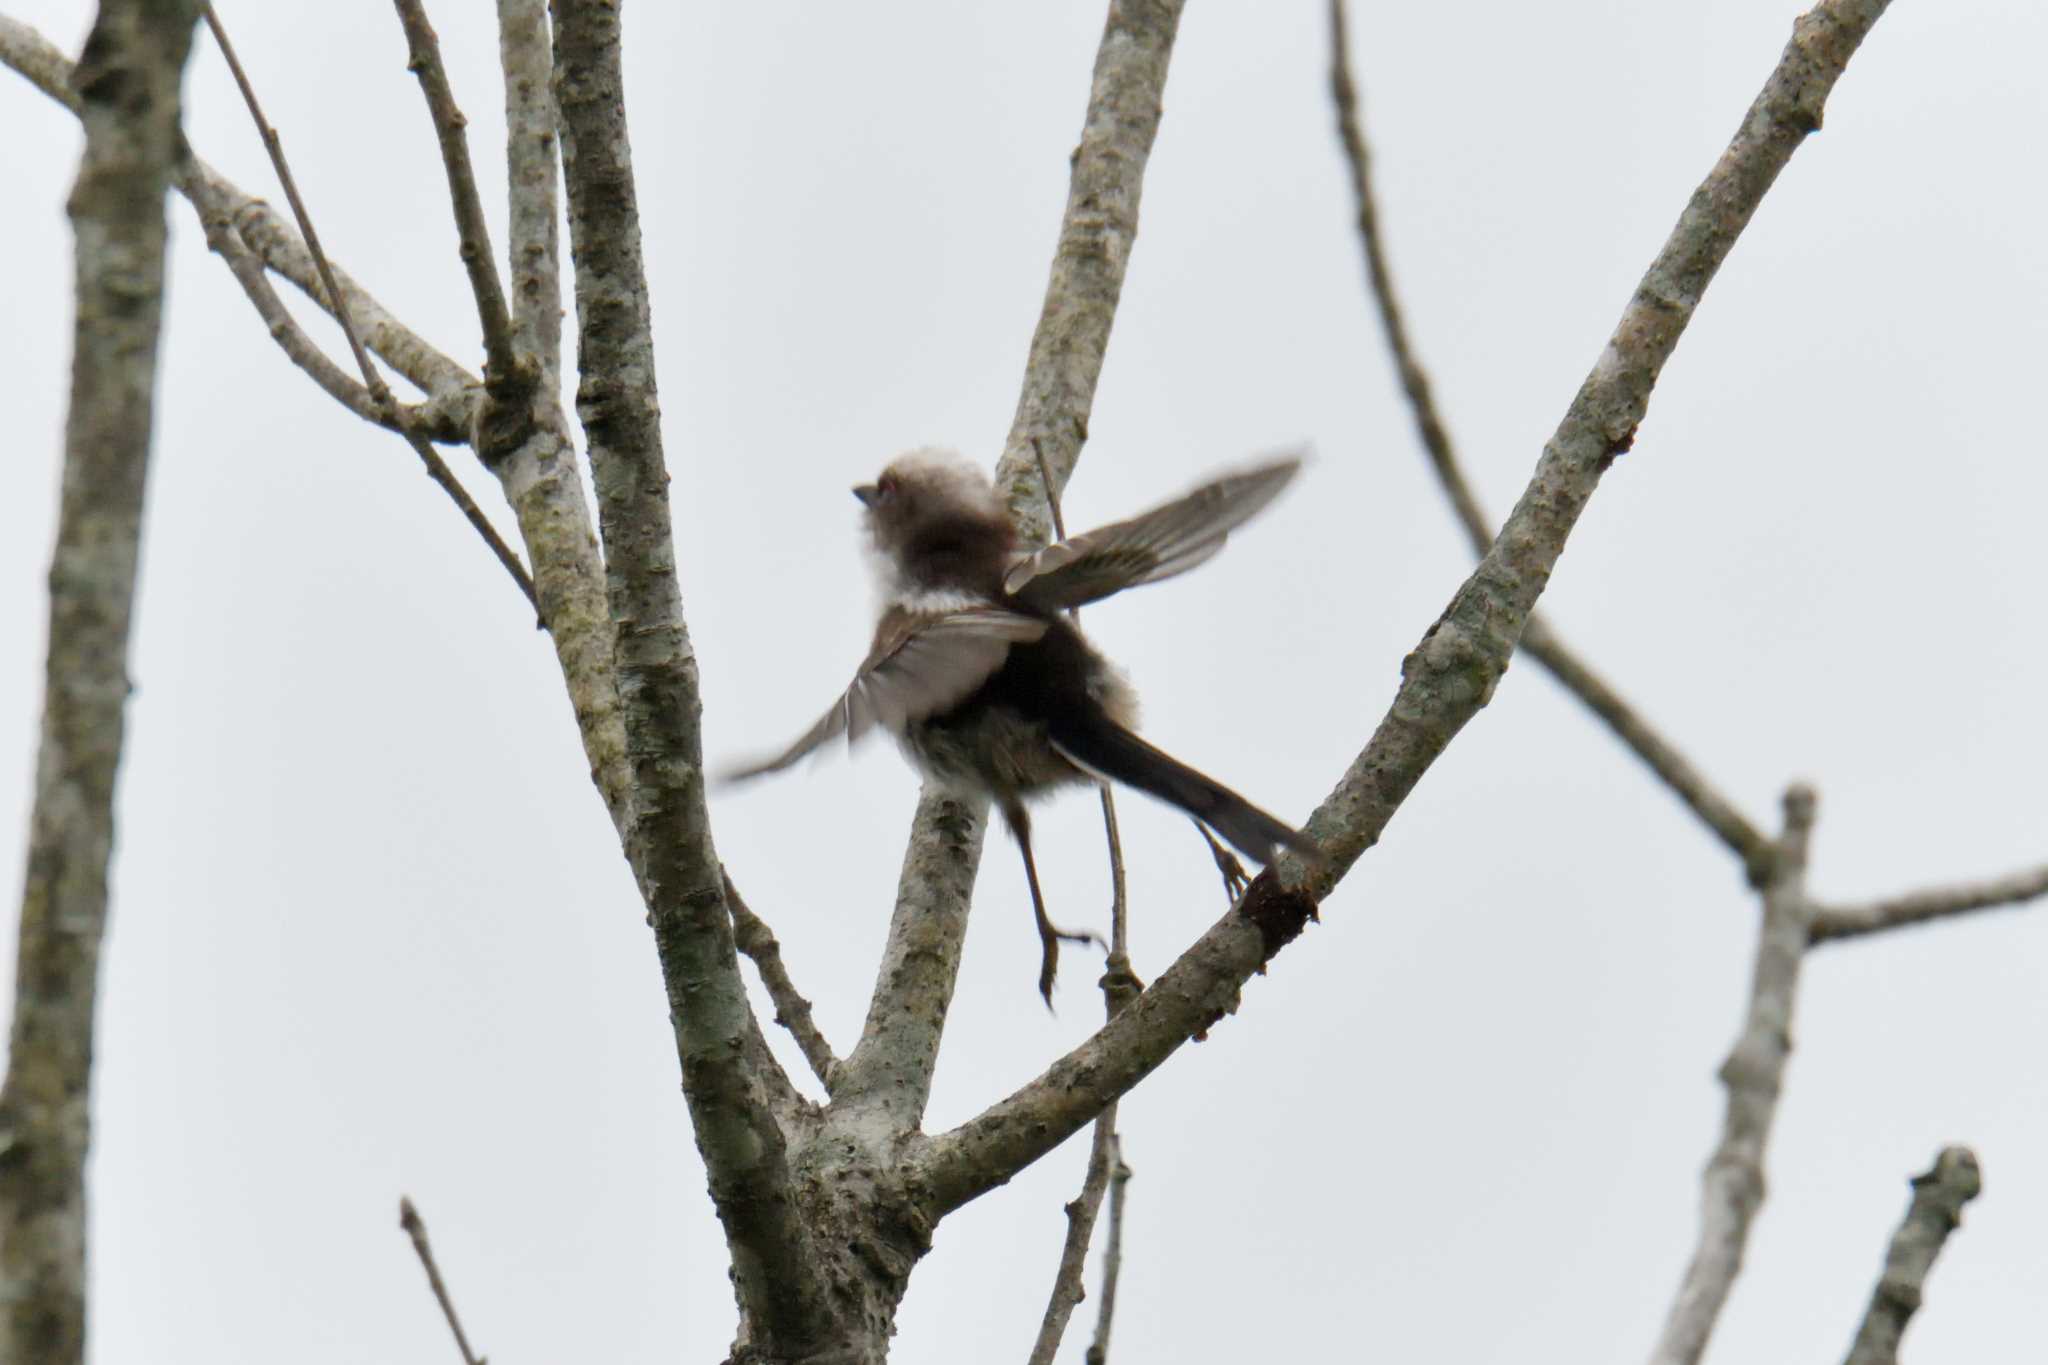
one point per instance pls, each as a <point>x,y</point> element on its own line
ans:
<point>867,493</point>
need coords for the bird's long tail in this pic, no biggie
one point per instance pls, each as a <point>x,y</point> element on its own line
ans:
<point>1108,750</point>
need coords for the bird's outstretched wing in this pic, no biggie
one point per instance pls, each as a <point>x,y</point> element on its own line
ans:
<point>1158,544</point>
<point>920,664</point>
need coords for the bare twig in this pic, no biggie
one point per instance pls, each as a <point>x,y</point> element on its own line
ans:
<point>1936,1210</point>
<point>437,469</point>
<point>1119,987</point>
<point>1538,639</point>
<point>754,938</point>
<point>502,372</point>
<point>1755,1076</point>
<point>416,1228</point>
<point>126,93</point>
<point>216,217</point>
<point>1718,813</point>
<point>49,70</point>
<point>1067,1292</point>
<point>1112,1255</point>
<point>1832,923</point>
<point>1451,674</point>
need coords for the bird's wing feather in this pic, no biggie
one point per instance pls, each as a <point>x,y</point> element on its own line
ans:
<point>919,666</point>
<point>1158,544</point>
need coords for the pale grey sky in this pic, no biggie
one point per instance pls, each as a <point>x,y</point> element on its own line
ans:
<point>372,933</point>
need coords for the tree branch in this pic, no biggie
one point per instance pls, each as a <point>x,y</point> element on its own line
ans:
<point>894,1058</point>
<point>416,1229</point>
<point>1936,1210</point>
<point>1112,1255</point>
<point>126,93</point>
<point>436,468</point>
<point>1067,1292</point>
<point>526,51</point>
<point>1755,1076</point>
<point>754,938</point>
<point>503,375</point>
<point>782,1299</point>
<point>1452,672</point>
<point>282,250</point>
<point>1538,639</point>
<point>1832,923</point>
<point>439,421</point>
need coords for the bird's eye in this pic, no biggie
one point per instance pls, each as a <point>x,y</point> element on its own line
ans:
<point>886,486</point>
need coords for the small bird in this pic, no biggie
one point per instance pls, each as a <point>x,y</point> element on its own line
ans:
<point>986,682</point>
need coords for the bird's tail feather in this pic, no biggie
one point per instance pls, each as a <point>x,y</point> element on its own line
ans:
<point>1108,750</point>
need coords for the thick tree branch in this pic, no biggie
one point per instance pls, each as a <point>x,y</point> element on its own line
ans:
<point>436,468</point>
<point>907,1014</point>
<point>1538,639</point>
<point>126,93</point>
<point>536,462</point>
<point>1733,1186</point>
<point>782,1299</point>
<point>1453,671</point>
<point>1832,923</point>
<point>503,375</point>
<point>891,1067</point>
<point>526,51</point>
<point>1097,234</point>
<point>1936,1211</point>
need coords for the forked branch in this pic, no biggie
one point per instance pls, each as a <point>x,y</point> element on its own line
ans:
<point>1452,672</point>
<point>437,469</point>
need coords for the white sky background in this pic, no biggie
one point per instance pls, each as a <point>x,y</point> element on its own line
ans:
<point>372,933</point>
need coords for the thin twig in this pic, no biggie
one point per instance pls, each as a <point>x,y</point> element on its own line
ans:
<point>1119,902</point>
<point>1067,1291</point>
<point>1733,1186</point>
<point>437,469</point>
<point>1119,987</point>
<point>1112,1254</point>
<point>501,366</point>
<point>1538,639</point>
<point>1936,1211</point>
<point>752,936</point>
<point>416,1228</point>
<point>1832,923</point>
<point>217,220</point>
<point>38,60</point>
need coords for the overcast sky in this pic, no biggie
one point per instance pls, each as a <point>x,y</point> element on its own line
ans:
<point>372,934</point>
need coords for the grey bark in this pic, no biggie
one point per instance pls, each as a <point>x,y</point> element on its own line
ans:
<point>127,89</point>
<point>1936,1211</point>
<point>1754,1074</point>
